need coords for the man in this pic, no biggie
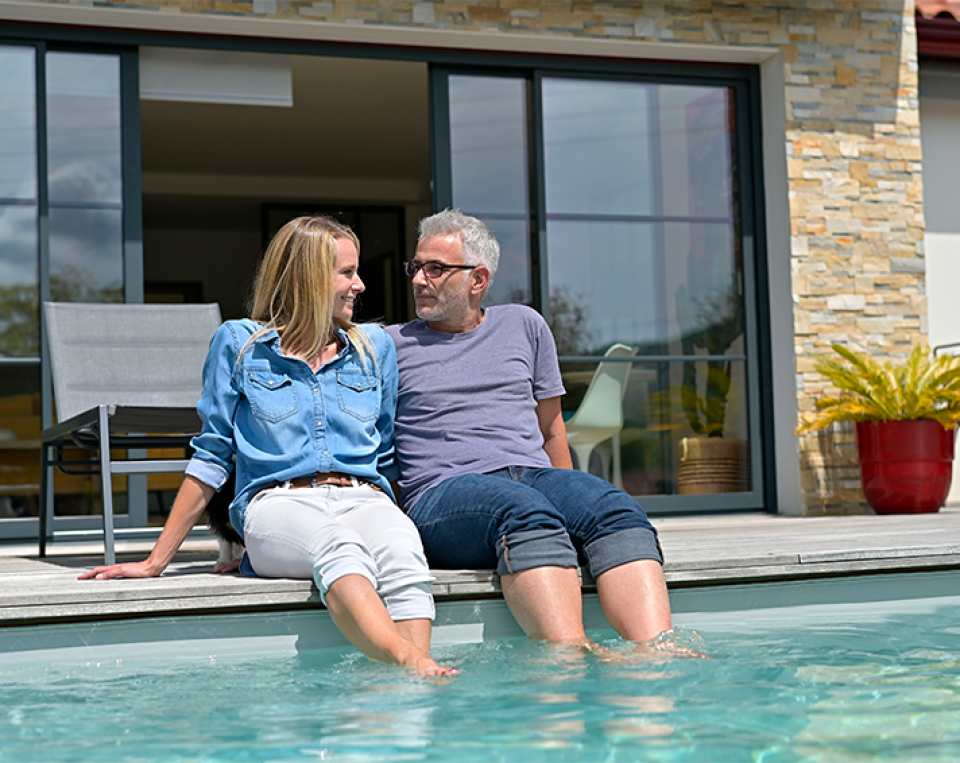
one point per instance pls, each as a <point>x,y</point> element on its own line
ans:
<point>485,469</point>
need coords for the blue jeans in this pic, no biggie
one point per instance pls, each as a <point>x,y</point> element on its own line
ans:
<point>519,518</point>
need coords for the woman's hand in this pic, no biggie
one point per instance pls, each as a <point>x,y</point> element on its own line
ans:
<point>187,508</point>
<point>130,570</point>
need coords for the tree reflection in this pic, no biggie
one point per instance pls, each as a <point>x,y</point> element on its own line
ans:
<point>20,307</point>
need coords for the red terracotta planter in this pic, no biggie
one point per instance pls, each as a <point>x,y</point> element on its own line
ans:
<point>906,466</point>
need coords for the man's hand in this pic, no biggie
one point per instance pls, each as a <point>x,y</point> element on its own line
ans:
<point>554,431</point>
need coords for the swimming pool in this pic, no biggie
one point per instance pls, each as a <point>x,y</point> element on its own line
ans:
<point>843,670</point>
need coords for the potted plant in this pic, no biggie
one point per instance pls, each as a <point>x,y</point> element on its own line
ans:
<point>905,417</point>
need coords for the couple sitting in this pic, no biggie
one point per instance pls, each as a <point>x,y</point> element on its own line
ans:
<point>318,415</point>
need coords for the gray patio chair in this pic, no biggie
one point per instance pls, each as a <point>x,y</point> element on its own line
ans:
<point>124,377</point>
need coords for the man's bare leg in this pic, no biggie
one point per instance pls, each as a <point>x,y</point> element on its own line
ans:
<point>547,604</point>
<point>634,599</point>
<point>360,615</point>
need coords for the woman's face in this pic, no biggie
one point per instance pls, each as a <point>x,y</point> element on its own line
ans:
<point>346,280</point>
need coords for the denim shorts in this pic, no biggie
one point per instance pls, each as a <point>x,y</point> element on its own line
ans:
<point>519,518</point>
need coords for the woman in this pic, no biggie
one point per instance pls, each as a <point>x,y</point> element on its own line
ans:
<point>302,401</point>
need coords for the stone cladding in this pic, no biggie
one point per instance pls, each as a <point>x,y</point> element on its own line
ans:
<point>852,151</point>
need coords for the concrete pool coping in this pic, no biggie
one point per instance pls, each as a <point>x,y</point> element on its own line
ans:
<point>701,551</point>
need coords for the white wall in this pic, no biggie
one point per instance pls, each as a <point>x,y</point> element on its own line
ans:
<point>940,136</point>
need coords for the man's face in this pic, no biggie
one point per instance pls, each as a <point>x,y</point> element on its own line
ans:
<point>446,297</point>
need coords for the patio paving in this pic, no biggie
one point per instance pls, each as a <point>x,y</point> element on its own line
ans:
<point>700,551</point>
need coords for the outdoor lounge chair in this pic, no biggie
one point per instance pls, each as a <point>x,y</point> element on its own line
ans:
<point>124,377</point>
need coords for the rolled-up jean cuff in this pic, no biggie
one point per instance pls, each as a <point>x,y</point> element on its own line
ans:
<point>412,603</point>
<point>631,545</point>
<point>535,548</point>
<point>340,568</point>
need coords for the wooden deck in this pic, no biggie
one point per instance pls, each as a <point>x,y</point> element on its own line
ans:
<point>700,551</point>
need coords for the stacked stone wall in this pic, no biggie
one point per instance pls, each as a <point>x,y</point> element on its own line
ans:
<point>852,146</point>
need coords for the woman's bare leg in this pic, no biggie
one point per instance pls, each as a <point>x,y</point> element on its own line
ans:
<point>361,616</point>
<point>417,632</point>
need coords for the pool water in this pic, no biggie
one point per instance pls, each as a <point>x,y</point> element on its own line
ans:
<point>821,688</point>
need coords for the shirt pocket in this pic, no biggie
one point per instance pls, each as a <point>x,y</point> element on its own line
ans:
<point>358,395</point>
<point>272,396</point>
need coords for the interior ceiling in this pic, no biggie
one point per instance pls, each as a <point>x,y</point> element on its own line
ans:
<point>351,118</point>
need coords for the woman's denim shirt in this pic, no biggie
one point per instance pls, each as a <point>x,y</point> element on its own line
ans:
<point>275,419</point>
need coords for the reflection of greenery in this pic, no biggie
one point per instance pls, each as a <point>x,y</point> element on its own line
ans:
<point>20,307</point>
<point>711,323</point>
<point>76,284</point>
<point>19,321</point>
<point>568,322</point>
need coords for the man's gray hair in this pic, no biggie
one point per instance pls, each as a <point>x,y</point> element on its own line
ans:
<point>479,245</point>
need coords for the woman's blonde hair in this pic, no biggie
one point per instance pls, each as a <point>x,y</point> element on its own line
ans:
<point>293,291</point>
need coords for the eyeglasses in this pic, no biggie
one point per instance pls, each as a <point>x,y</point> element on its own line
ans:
<point>432,269</point>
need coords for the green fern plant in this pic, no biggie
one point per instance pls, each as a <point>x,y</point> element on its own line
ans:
<point>925,387</point>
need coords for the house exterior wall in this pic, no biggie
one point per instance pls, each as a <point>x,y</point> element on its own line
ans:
<point>849,128</point>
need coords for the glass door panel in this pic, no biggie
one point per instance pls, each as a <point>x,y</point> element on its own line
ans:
<point>86,189</point>
<point>490,171</point>
<point>20,421</point>
<point>598,148</point>
<point>642,247</point>
<point>19,259</point>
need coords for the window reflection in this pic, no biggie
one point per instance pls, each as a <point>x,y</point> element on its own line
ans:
<point>490,172</point>
<point>597,138</point>
<point>84,139</point>
<point>607,274</point>
<point>488,144</point>
<point>19,278</point>
<point>513,280</point>
<point>656,448</point>
<point>19,441</point>
<point>86,255</point>
<point>19,292</point>
<point>18,124</point>
<point>83,134</point>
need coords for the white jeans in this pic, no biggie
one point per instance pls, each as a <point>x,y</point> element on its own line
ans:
<point>328,532</point>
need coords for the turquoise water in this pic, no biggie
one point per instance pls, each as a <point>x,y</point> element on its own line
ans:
<point>884,687</point>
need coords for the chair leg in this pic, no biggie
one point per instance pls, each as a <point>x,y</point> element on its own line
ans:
<point>582,451</point>
<point>46,497</point>
<point>106,477</point>
<point>617,473</point>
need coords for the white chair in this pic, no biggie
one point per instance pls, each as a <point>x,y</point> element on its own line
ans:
<point>124,377</point>
<point>600,415</point>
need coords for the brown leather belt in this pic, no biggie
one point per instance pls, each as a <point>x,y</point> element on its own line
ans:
<point>331,478</point>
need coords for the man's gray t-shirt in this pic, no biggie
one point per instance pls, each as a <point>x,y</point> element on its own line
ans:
<point>468,402</point>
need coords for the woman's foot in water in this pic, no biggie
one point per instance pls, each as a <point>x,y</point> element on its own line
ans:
<point>422,663</point>
<point>670,643</point>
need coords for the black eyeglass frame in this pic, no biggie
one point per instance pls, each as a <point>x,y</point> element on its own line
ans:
<point>411,267</point>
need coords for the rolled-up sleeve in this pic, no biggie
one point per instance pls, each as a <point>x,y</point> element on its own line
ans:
<point>214,447</point>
